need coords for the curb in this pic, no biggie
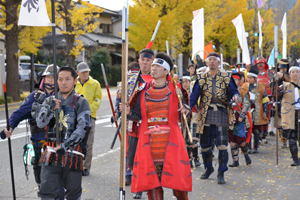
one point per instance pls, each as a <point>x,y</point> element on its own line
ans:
<point>11,104</point>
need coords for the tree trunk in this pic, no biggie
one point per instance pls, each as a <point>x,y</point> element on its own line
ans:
<point>185,58</point>
<point>70,38</point>
<point>12,47</point>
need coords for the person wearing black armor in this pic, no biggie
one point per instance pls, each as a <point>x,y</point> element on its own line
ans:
<point>29,110</point>
<point>62,165</point>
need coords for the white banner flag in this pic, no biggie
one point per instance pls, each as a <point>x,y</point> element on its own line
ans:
<point>33,13</point>
<point>241,34</point>
<point>260,33</point>
<point>284,36</point>
<point>198,33</point>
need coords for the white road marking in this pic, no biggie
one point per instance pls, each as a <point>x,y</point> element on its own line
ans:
<point>104,154</point>
<point>20,135</point>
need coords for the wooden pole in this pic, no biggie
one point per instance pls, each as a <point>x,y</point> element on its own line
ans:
<point>124,101</point>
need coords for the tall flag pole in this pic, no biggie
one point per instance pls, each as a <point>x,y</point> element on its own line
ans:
<point>7,127</point>
<point>167,47</point>
<point>276,86</point>
<point>284,36</point>
<point>124,101</point>
<point>260,34</point>
<point>55,70</point>
<point>241,34</point>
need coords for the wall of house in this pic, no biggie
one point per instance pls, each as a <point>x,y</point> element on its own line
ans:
<point>117,28</point>
<point>103,20</point>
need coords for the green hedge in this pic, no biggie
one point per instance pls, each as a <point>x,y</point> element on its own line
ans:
<point>9,100</point>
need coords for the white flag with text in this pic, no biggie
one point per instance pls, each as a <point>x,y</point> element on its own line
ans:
<point>33,13</point>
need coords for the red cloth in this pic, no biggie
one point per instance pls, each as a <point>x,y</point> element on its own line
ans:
<point>176,172</point>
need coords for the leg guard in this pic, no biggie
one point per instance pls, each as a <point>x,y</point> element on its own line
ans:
<point>257,136</point>
<point>156,194</point>
<point>244,147</point>
<point>293,149</point>
<point>207,158</point>
<point>180,195</point>
<point>234,151</point>
<point>223,160</point>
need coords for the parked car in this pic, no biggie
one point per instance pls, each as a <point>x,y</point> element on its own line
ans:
<point>39,68</point>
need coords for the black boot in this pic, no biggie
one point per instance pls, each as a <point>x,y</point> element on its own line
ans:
<point>207,173</point>
<point>255,149</point>
<point>191,163</point>
<point>234,164</point>
<point>295,163</point>
<point>247,159</point>
<point>137,195</point>
<point>221,179</point>
<point>197,162</point>
<point>207,158</point>
<point>294,152</point>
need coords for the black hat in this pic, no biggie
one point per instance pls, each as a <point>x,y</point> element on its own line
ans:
<point>283,63</point>
<point>253,72</point>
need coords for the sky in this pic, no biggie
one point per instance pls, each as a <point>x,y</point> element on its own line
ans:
<point>110,4</point>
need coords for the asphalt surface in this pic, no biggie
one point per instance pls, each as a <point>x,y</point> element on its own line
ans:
<point>263,179</point>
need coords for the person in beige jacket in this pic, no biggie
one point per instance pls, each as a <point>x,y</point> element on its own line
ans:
<point>290,111</point>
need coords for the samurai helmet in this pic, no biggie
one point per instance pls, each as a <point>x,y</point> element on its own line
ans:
<point>262,60</point>
<point>49,71</point>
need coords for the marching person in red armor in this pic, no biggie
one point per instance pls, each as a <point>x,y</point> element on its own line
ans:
<point>263,77</point>
<point>161,158</point>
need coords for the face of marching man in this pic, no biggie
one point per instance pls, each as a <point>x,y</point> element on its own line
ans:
<point>295,75</point>
<point>66,82</point>
<point>145,64</point>
<point>213,63</point>
<point>158,72</point>
<point>251,80</point>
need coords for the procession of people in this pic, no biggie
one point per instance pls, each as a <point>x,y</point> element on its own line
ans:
<point>174,122</point>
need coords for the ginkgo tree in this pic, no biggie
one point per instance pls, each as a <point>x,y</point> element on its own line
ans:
<point>75,18</point>
<point>176,26</point>
<point>25,39</point>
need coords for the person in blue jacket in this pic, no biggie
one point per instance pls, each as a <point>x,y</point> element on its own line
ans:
<point>29,110</point>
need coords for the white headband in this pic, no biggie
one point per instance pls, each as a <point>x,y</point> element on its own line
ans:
<point>294,68</point>
<point>252,74</point>
<point>215,57</point>
<point>201,68</point>
<point>161,62</point>
<point>186,77</point>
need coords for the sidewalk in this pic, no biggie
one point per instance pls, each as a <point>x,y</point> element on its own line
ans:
<point>112,90</point>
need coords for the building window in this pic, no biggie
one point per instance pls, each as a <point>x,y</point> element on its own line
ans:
<point>106,28</point>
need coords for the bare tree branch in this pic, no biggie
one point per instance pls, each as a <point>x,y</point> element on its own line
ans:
<point>2,40</point>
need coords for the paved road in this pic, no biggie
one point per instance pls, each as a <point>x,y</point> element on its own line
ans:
<point>261,180</point>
